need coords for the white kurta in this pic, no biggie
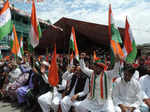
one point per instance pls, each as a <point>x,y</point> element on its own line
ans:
<point>145,85</point>
<point>97,104</point>
<point>51,99</point>
<point>66,102</point>
<point>127,93</point>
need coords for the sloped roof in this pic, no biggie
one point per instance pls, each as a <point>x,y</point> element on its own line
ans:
<point>95,33</point>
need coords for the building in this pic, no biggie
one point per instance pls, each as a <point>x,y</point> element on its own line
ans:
<point>22,23</point>
<point>144,50</point>
<point>89,36</point>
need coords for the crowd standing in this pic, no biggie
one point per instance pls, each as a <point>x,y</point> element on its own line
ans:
<point>84,85</point>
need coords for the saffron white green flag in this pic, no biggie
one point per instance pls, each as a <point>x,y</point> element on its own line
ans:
<point>129,49</point>
<point>35,32</point>
<point>15,44</point>
<point>21,46</point>
<point>5,20</point>
<point>115,38</point>
<point>73,44</point>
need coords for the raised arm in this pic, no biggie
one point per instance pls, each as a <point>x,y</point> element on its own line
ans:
<point>84,69</point>
<point>115,71</point>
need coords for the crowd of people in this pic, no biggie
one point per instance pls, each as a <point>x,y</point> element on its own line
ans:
<point>84,86</point>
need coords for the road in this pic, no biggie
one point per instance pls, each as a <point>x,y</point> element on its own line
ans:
<point>7,107</point>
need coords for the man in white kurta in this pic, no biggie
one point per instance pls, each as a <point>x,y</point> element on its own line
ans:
<point>99,100</point>
<point>71,99</point>
<point>50,100</point>
<point>127,92</point>
<point>145,85</point>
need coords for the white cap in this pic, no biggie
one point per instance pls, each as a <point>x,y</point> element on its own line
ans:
<point>45,63</point>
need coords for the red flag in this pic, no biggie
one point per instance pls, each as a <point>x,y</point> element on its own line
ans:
<point>127,40</point>
<point>53,77</point>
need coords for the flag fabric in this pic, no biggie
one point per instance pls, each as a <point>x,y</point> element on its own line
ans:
<point>53,77</point>
<point>5,20</point>
<point>1,54</point>
<point>21,46</point>
<point>115,38</point>
<point>15,44</point>
<point>35,32</point>
<point>73,44</point>
<point>95,58</point>
<point>11,39</point>
<point>129,49</point>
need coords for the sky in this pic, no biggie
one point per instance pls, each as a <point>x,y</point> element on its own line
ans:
<point>96,11</point>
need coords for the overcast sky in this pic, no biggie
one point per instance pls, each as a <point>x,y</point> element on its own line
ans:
<point>96,11</point>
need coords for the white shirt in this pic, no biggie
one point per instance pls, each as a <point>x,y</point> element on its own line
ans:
<point>111,74</point>
<point>127,93</point>
<point>67,76</point>
<point>14,74</point>
<point>145,85</point>
<point>98,104</point>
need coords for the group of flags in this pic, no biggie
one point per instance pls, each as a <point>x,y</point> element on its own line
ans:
<point>127,53</point>
<point>6,26</point>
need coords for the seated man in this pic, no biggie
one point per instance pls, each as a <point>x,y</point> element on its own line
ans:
<point>50,100</point>
<point>145,85</point>
<point>127,92</point>
<point>77,90</point>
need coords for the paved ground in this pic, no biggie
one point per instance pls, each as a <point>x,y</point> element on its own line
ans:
<point>7,107</point>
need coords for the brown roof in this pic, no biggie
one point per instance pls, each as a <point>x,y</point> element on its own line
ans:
<point>87,32</point>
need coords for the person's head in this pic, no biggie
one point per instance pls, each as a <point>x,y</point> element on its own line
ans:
<point>128,72</point>
<point>77,70</point>
<point>45,65</point>
<point>73,69</point>
<point>98,68</point>
<point>14,66</point>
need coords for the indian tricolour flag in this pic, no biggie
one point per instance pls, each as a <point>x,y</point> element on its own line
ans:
<point>73,44</point>
<point>21,46</point>
<point>5,20</point>
<point>15,44</point>
<point>35,32</point>
<point>115,38</point>
<point>129,49</point>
